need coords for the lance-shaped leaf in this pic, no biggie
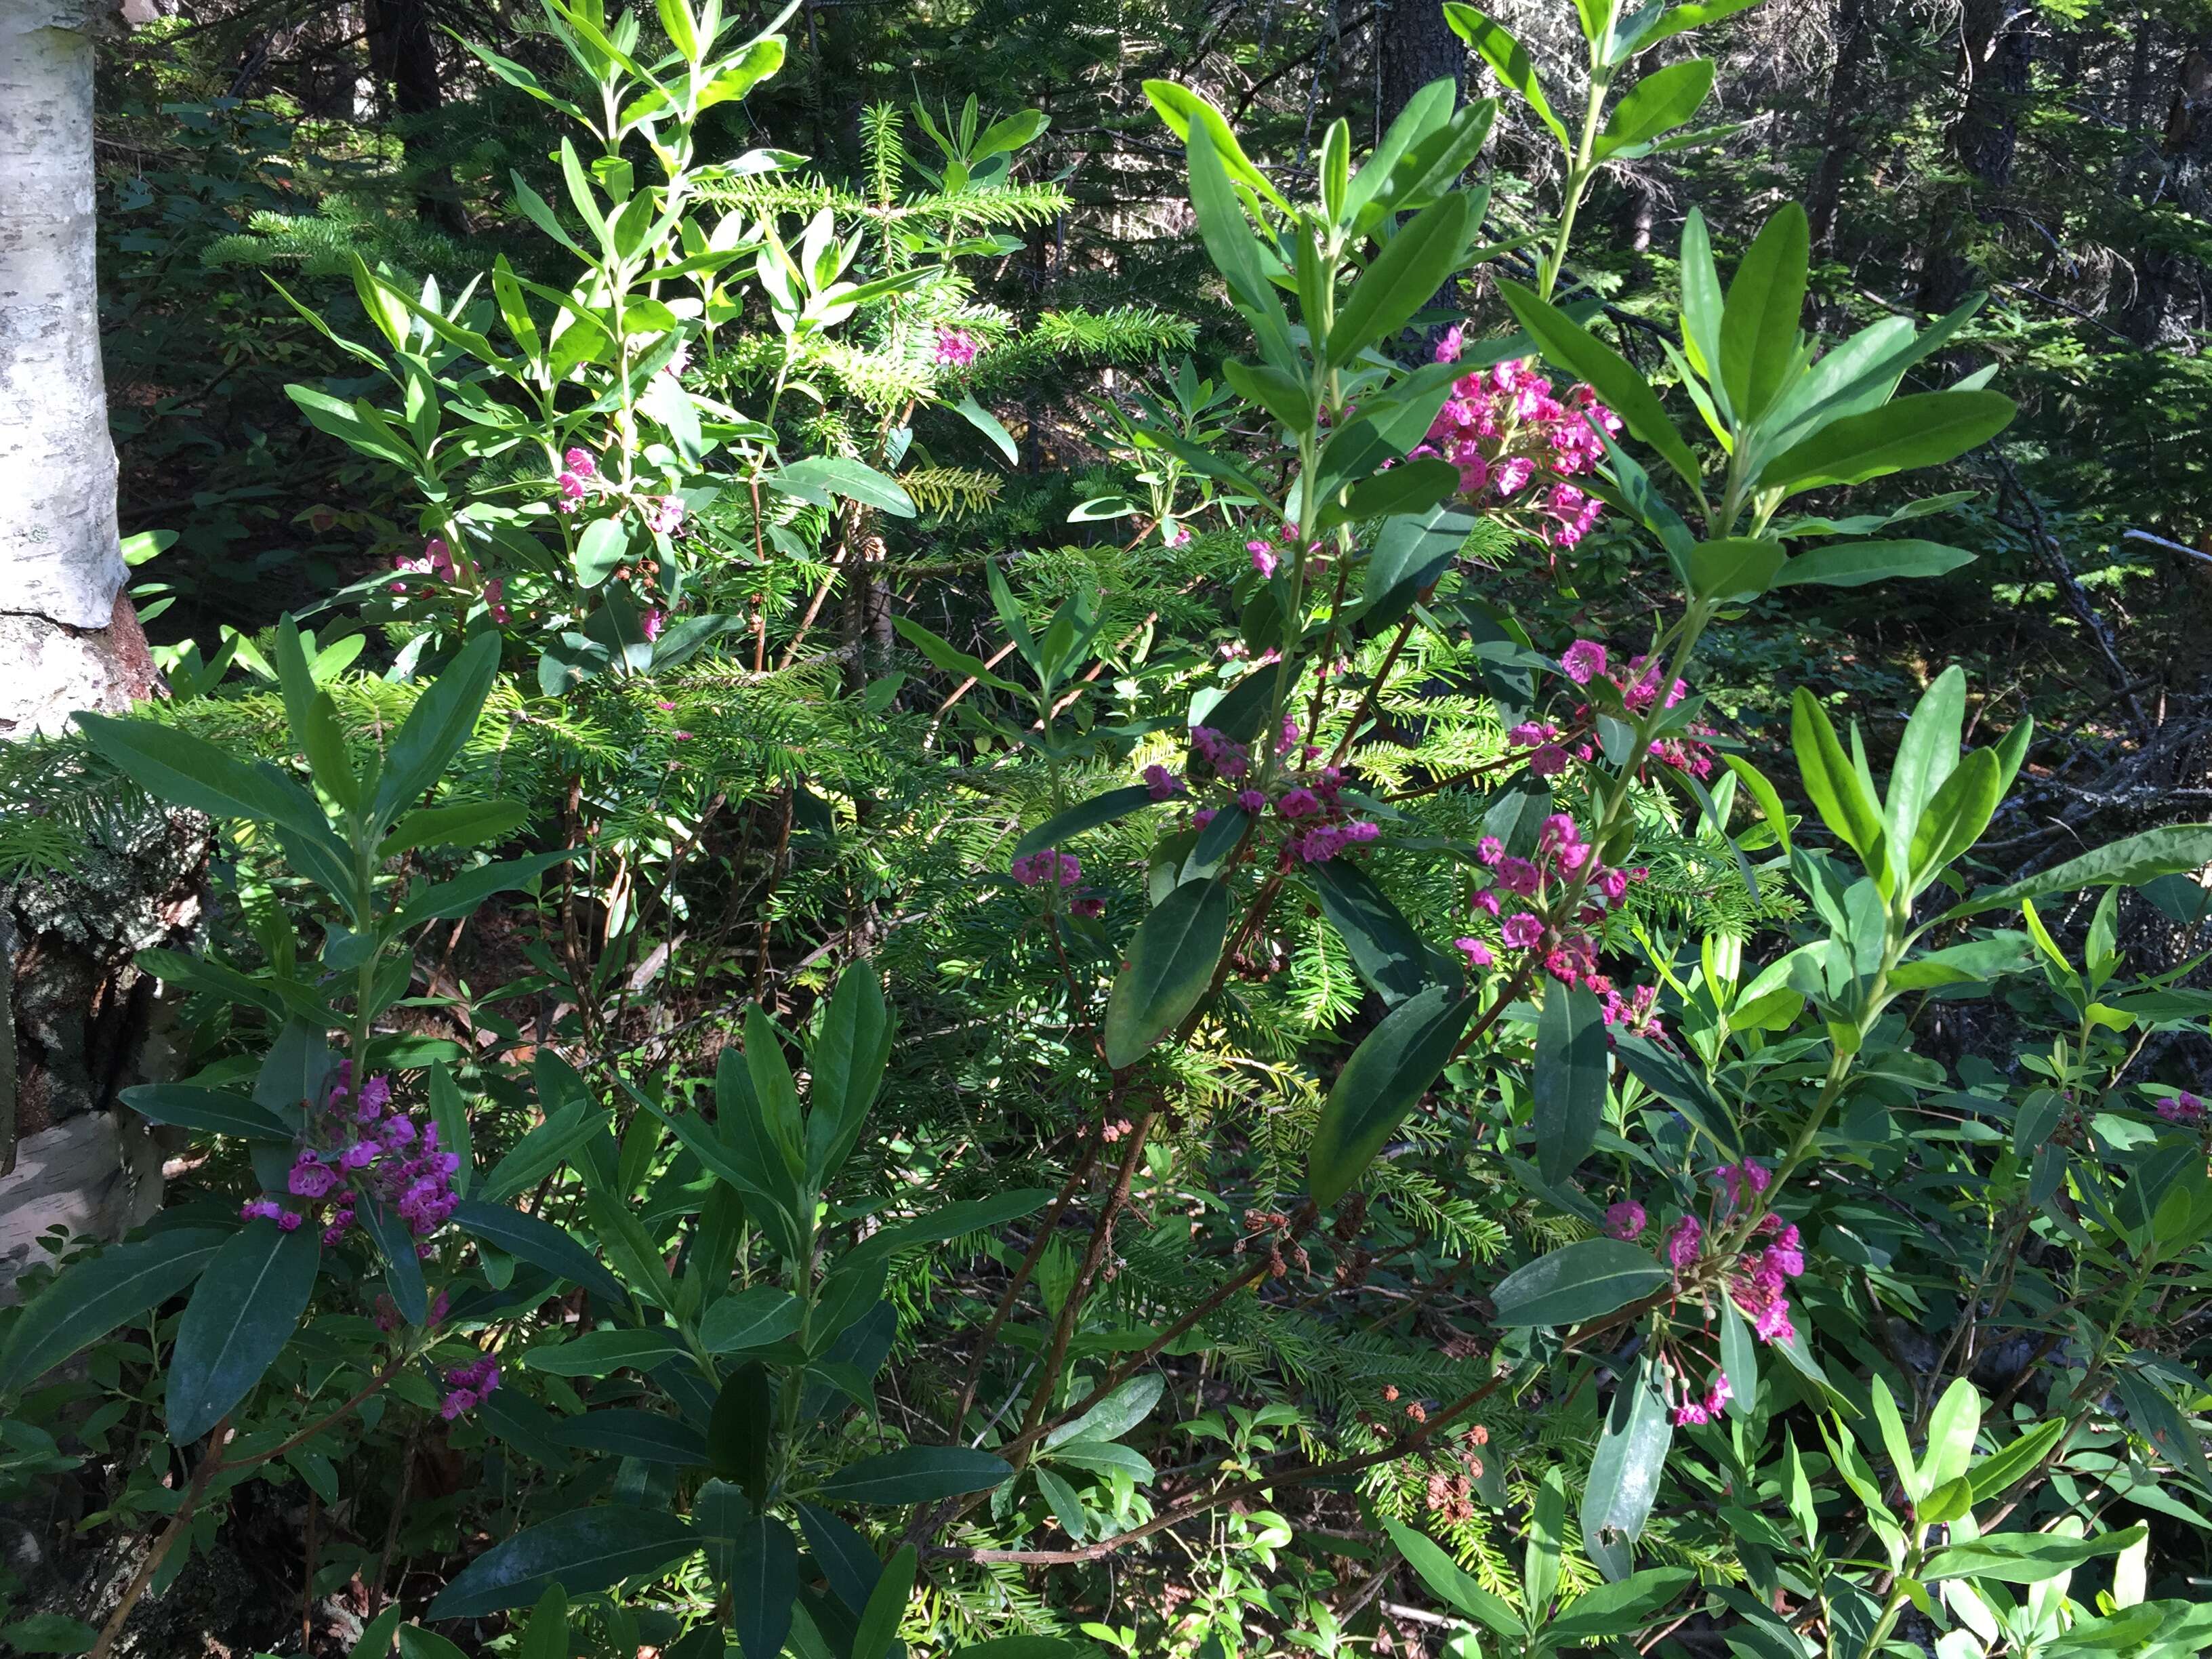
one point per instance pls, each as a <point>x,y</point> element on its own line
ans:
<point>1388,954</point>
<point>538,1242</point>
<point>1579,1282</point>
<point>582,1551</point>
<point>1507,58</point>
<point>1624,1474</point>
<point>1393,1067</point>
<point>92,1296</point>
<point>248,1304</point>
<point>1855,564</point>
<point>1924,429</point>
<point>1567,1093</point>
<point>2128,863</point>
<point>1758,326</point>
<point>1171,963</point>
<point>1063,826</point>
<point>916,1474</point>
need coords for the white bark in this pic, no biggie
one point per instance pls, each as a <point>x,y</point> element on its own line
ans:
<point>60,555</point>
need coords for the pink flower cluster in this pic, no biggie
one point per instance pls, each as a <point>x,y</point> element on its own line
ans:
<point>365,1147</point>
<point>1709,1409</point>
<point>578,469</point>
<point>436,563</point>
<point>469,1387</point>
<point>1761,1293</point>
<point>2182,1108</point>
<point>955,348</point>
<point>1517,445</point>
<point>1321,824</point>
<point>1047,867</point>
<point>1552,745</point>
<point>1570,957</point>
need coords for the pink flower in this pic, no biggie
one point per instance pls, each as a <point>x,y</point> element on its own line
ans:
<point>1684,1243</point>
<point>1251,800</point>
<point>1522,930</point>
<point>311,1177</point>
<point>571,486</point>
<point>1693,1412</point>
<point>579,462</point>
<point>1485,901</point>
<point>1490,849</point>
<point>1161,784</point>
<point>495,592</point>
<point>1548,762</point>
<point>1517,875</point>
<point>1626,1220</point>
<point>1583,661</point>
<point>2182,1108</point>
<point>1263,557</point>
<point>469,1387</point>
<point>1059,869</point>
<point>1453,342</point>
<point>1478,953</point>
<point>955,348</point>
<point>1299,803</point>
<point>1088,907</point>
<point>664,515</point>
<point>260,1209</point>
<point>1739,1177</point>
<point>652,622</point>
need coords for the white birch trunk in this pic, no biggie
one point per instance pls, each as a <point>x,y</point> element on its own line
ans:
<point>61,562</point>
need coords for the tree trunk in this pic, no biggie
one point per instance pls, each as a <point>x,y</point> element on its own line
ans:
<point>1996,52</point>
<point>1840,131</point>
<point>76,1012</point>
<point>2167,309</point>
<point>1417,47</point>
<point>403,51</point>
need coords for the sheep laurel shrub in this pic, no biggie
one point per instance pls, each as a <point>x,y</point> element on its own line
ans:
<point>1289,1177</point>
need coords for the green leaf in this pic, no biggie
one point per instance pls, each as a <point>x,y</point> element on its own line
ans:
<point>1116,1415</point>
<point>915,1474</point>
<point>1738,1360</point>
<point>1695,15</point>
<point>1388,954</point>
<point>741,1431</point>
<point>1063,826</point>
<point>457,824</point>
<point>1952,1427</point>
<point>1736,569</point>
<point>1896,1442</point>
<point>626,1431</point>
<point>879,1620</point>
<point>1758,328</point>
<point>1927,754</point>
<point>1568,343</point>
<point>2128,863</point>
<point>845,1065</point>
<point>94,1296</point>
<point>601,1354</point>
<point>2024,1558</point>
<point>1623,1608</point>
<point>1507,58</point>
<point>442,719</point>
<point>1567,1091</point>
<point>749,1319</point>
<point>1184,110</point>
<point>211,1111</point>
<point>601,551</point>
<point>990,425</point>
<point>48,1633</point>
<point>1666,1075</point>
<point>1449,1584</point>
<point>1392,1068</point>
<point>175,766</point>
<point>1701,300</point>
<point>1832,782</point>
<point>1170,966</point>
<point>248,1302</point>
<point>2156,1418</point>
<point>540,1243</point>
<point>1998,1471</point>
<point>816,478</point>
<point>1925,429</point>
<point>583,1551</point>
<point>948,656</point>
<point>1855,564</point>
<point>1663,101</point>
<point>1624,1473</point>
<point>450,899</point>
<point>1579,1282</point>
<point>541,1151</point>
<point>1231,245</point>
<point>1412,266</point>
<point>1410,486</point>
<point>1410,554</point>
